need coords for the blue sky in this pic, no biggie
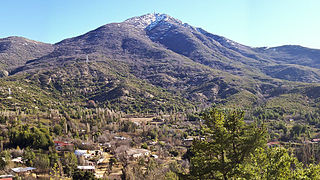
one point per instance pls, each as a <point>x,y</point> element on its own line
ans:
<point>250,22</point>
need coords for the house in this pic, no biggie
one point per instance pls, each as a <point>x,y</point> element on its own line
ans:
<point>273,144</point>
<point>120,138</point>
<point>6,177</point>
<point>136,153</point>
<point>107,147</point>
<point>154,156</point>
<point>17,160</point>
<point>189,139</point>
<point>95,152</point>
<point>89,163</point>
<point>84,153</point>
<point>63,146</point>
<point>22,170</point>
<point>152,143</point>
<point>87,153</point>
<point>87,168</point>
<point>315,140</point>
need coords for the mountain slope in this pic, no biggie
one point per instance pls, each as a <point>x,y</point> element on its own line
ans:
<point>16,51</point>
<point>157,61</point>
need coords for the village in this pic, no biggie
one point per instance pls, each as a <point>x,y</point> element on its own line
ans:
<point>109,155</point>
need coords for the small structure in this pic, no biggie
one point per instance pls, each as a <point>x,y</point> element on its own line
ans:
<point>95,152</point>
<point>89,163</point>
<point>189,139</point>
<point>315,140</point>
<point>154,156</point>
<point>107,147</point>
<point>17,160</point>
<point>6,177</point>
<point>87,59</point>
<point>80,152</point>
<point>87,153</point>
<point>63,145</point>
<point>152,142</point>
<point>273,144</point>
<point>120,138</point>
<point>22,170</point>
<point>136,153</point>
<point>9,92</point>
<point>87,168</point>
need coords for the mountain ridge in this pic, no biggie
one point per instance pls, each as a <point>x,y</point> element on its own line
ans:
<point>167,59</point>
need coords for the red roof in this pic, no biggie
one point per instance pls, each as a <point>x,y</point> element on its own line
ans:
<point>61,143</point>
<point>273,143</point>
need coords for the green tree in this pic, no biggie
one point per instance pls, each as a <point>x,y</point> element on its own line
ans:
<point>42,162</point>
<point>3,164</point>
<point>228,143</point>
<point>112,161</point>
<point>57,129</point>
<point>29,156</point>
<point>34,137</point>
<point>4,159</point>
<point>171,176</point>
<point>70,162</point>
<point>83,175</point>
<point>144,145</point>
<point>277,163</point>
<point>53,157</point>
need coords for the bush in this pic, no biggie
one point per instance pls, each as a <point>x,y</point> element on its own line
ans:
<point>83,175</point>
<point>144,146</point>
<point>57,129</point>
<point>175,153</point>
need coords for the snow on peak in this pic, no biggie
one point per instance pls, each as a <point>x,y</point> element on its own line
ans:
<point>158,18</point>
<point>147,21</point>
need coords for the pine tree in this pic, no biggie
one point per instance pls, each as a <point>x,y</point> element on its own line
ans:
<point>228,143</point>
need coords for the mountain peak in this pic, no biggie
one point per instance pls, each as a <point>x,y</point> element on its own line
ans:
<point>148,21</point>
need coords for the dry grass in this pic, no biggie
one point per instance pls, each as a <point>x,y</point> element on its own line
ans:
<point>138,120</point>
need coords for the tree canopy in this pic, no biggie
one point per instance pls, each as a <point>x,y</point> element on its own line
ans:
<point>228,142</point>
<point>233,149</point>
<point>24,136</point>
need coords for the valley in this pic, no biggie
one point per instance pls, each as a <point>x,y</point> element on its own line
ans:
<point>136,97</point>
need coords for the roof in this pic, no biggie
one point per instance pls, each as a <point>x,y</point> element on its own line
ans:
<point>131,152</point>
<point>155,156</point>
<point>22,169</point>
<point>189,139</point>
<point>63,143</point>
<point>80,152</point>
<point>17,160</point>
<point>120,137</point>
<point>6,176</point>
<point>273,143</point>
<point>86,167</point>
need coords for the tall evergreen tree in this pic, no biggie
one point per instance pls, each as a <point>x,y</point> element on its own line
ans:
<point>228,143</point>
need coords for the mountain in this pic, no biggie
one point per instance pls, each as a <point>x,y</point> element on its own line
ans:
<point>157,62</point>
<point>16,51</point>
